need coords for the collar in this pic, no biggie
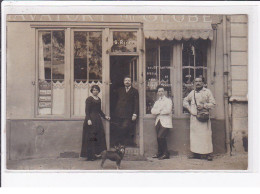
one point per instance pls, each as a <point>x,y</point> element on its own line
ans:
<point>203,89</point>
<point>95,97</point>
<point>162,98</point>
<point>128,87</point>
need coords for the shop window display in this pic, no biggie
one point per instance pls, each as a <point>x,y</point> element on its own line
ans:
<point>87,67</point>
<point>194,63</point>
<point>51,92</point>
<point>158,67</point>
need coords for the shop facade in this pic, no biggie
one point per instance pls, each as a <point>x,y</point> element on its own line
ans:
<point>53,60</point>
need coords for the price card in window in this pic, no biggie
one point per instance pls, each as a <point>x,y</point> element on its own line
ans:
<point>44,98</point>
<point>44,104</point>
<point>45,92</point>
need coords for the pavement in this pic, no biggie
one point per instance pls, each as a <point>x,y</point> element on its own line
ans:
<point>180,162</point>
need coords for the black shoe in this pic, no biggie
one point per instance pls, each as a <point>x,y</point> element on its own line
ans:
<point>164,157</point>
<point>156,156</point>
<point>194,156</point>
<point>209,158</point>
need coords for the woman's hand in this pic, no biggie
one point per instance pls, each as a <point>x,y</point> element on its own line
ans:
<point>107,118</point>
<point>89,122</point>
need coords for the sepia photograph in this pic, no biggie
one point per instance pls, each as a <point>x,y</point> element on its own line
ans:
<point>118,92</point>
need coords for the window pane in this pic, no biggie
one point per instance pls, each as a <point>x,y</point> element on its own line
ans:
<point>124,42</point>
<point>80,56</point>
<point>45,60</point>
<point>95,61</point>
<point>87,67</point>
<point>58,42</point>
<point>152,76</point>
<point>158,71</point>
<point>51,73</point>
<point>194,64</point>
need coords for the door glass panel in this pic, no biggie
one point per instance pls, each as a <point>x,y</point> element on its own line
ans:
<point>124,42</point>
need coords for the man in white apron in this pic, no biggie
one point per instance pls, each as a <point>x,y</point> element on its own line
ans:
<point>163,111</point>
<point>200,132</point>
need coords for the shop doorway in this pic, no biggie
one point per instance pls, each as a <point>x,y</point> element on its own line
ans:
<point>120,66</point>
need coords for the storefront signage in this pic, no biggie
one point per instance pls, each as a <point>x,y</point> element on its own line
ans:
<point>118,18</point>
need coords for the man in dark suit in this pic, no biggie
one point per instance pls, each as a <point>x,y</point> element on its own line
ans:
<point>126,113</point>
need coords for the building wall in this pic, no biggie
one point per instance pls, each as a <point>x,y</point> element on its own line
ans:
<point>239,82</point>
<point>24,140</point>
<point>20,95</point>
<point>49,139</point>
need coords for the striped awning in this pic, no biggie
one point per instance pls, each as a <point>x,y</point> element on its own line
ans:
<point>179,34</point>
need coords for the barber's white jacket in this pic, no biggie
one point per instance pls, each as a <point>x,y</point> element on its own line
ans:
<point>163,109</point>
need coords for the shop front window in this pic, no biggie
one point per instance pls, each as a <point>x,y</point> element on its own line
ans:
<point>51,93</point>
<point>87,67</point>
<point>158,71</point>
<point>124,42</point>
<point>194,64</point>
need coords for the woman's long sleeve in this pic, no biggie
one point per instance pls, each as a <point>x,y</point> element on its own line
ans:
<point>102,114</point>
<point>87,109</point>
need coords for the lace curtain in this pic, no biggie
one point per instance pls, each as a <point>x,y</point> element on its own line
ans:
<point>51,93</point>
<point>81,92</point>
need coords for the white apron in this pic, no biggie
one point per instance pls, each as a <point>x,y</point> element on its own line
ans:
<point>200,132</point>
<point>200,136</point>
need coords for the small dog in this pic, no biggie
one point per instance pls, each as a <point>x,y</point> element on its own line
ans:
<point>114,155</point>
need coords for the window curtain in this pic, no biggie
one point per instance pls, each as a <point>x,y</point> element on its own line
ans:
<point>81,92</point>
<point>58,89</point>
<point>58,94</point>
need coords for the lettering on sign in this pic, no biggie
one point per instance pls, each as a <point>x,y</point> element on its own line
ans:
<point>166,19</point>
<point>45,92</point>
<point>44,104</point>
<point>44,98</point>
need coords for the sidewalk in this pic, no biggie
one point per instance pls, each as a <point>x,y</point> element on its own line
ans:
<point>220,162</point>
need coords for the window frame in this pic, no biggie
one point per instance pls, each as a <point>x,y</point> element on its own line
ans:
<point>36,99</point>
<point>72,114</point>
<point>176,77</point>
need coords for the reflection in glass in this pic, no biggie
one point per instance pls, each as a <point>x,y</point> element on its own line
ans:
<point>58,42</point>
<point>157,72</point>
<point>87,56</point>
<point>194,64</point>
<point>124,42</point>
<point>51,72</point>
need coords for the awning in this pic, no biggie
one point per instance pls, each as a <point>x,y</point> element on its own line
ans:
<point>173,30</point>
<point>179,34</point>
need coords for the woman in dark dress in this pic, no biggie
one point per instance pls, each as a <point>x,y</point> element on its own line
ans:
<point>93,139</point>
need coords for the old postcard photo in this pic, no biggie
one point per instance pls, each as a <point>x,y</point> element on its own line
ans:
<point>140,92</point>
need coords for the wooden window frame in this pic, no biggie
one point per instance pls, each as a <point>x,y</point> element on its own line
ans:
<point>36,113</point>
<point>176,78</point>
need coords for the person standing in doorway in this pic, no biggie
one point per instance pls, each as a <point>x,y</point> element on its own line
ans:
<point>126,113</point>
<point>163,111</point>
<point>200,131</point>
